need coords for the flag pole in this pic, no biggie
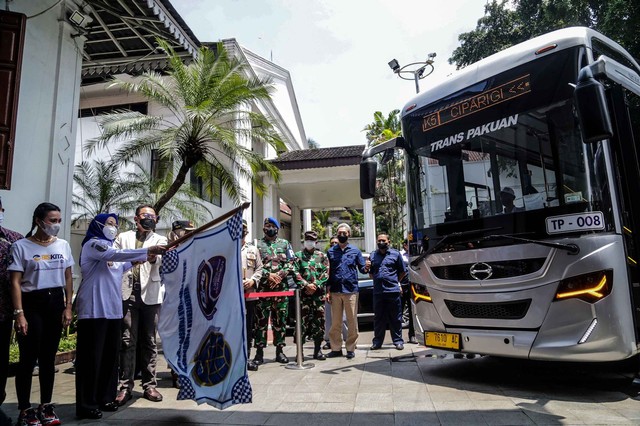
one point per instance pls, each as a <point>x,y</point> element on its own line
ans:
<point>208,225</point>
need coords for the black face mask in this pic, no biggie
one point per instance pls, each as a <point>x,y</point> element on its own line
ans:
<point>271,232</point>
<point>342,238</point>
<point>148,224</point>
<point>383,246</point>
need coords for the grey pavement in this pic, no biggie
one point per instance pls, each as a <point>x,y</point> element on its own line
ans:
<point>415,386</point>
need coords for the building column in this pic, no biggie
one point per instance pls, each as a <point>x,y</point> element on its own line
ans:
<point>296,228</point>
<point>270,205</point>
<point>369,225</point>
<point>306,220</point>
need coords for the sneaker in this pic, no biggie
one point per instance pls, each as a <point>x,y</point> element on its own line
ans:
<point>47,416</point>
<point>29,417</point>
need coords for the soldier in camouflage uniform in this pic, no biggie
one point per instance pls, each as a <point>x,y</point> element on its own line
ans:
<point>278,262</point>
<point>312,273</point>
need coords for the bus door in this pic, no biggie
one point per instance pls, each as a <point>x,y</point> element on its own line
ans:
<point>624,106</point>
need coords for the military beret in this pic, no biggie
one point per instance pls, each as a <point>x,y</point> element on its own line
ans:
<point>311,235</point>
<point>273,221</point>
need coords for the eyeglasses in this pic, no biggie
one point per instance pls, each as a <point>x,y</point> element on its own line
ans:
<point>148,216</point>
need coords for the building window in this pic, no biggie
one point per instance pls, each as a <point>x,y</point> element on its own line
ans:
<point>11,49</point>
<point>208,188</point>
<point>160,167</point>
<point>141,107</point>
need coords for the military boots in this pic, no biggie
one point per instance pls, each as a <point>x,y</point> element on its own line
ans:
<point>317,352</point>
<point>259,358</point>
<point>280,356</point>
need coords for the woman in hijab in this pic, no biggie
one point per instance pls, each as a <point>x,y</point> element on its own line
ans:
<point>99,307</point>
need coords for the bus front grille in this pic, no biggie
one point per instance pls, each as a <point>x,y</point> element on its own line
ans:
<point>503,310</point>
<point>499,269</point>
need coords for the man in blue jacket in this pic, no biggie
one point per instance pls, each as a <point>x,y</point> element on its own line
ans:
<point>342,292</point>
<point>387,270</point>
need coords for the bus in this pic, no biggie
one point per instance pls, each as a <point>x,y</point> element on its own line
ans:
<point>523,198</point>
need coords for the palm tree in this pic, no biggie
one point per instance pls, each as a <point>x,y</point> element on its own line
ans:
<point>210,102</point>
<point>391,193</point>
<point>100,187</point>
<point>383,129</point>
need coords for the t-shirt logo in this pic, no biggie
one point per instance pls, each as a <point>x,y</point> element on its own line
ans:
<point>55,256</point>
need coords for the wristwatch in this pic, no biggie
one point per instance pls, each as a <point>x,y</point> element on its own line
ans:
<point>17,312</point>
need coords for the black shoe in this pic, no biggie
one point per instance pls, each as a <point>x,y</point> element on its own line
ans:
<point>259,358</point>
<point>334,354</point>
<point>413,340</point>
<point>109,406</point>
<point>327,346</point>
<point>319,355</point>
<point>252,366</point>
<point>351,355</point>
<point>375,347</point>
<point>88,414</point>
<point>280,356</point>
<point>399,346</point>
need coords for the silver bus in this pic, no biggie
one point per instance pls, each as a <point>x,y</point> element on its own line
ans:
<point>523,189</point>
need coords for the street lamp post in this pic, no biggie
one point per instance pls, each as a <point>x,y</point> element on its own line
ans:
<point>415,70</point>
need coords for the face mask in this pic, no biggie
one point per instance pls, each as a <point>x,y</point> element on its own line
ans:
<point>383,246</point>
<point>148,224</point>
<point>1,217</point>
<point>271,232</point>
<point>309,245</point>
<point>51,229</point>
<point>342,238</point>
<point>110,232</point>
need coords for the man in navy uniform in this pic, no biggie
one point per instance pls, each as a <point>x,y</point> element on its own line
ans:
<point>387,270</point>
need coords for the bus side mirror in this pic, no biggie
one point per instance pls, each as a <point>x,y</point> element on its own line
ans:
<point>368,173</point>
<point>591,102</point>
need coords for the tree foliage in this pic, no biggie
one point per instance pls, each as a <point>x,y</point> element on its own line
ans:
<point>390,199</point>
<point>210,114</point>
<point>101,187</point>
<point>509,22</point>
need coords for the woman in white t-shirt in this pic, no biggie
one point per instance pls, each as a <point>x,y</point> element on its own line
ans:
<point>99,306</point>
<point>41,291</point>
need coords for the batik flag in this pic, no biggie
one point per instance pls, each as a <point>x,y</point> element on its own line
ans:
<point>202,318</point>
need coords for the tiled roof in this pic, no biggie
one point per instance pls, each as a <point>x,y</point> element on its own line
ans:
<point>320,157</point>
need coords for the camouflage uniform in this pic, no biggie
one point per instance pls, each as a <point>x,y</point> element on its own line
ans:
<point>277,257</point>
<point>312,268</point>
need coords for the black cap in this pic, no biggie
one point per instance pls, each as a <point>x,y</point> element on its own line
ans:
<point>187,225</point>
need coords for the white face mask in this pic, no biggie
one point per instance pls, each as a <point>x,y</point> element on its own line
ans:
<point>309,245</point>
<point>110,232</point>
<point>1,218</point>
<point>51,229</point>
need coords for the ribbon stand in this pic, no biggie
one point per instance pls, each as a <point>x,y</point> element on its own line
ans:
<point>299,364</point>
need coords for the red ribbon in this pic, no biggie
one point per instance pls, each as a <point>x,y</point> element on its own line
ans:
<point>269,294</point>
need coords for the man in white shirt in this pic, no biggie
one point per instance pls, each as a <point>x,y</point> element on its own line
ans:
<point>142,293</point>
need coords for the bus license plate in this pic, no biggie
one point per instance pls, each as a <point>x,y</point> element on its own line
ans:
<point>593,221</point>
<point>442,340</point>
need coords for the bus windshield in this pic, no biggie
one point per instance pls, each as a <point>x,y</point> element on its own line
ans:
<point>502,148</point>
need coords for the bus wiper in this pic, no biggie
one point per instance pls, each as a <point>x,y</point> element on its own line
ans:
<point>570,248</point>
<point>444,239</point>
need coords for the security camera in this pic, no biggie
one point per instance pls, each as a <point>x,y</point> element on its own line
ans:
<point>394,65</point>
<point>431,55</point>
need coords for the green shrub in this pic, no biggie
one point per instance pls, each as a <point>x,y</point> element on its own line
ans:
<point>66,344</point>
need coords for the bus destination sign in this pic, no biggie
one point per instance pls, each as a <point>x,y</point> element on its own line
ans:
<point>486,99</point>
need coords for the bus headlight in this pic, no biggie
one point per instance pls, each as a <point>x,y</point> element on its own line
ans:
<point>588,287</point>
<point>420,293</point>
